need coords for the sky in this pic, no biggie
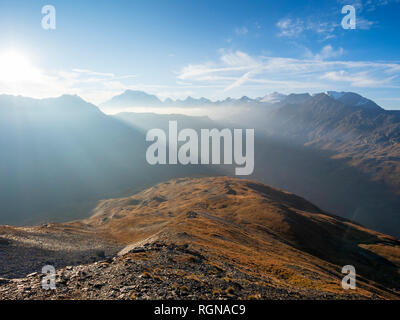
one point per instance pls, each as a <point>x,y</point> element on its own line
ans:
<point>210,48</point>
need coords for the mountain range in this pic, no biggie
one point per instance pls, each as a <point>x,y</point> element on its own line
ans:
<point>324,194</point>
<point>134,98</point>
<point>354,128</point>
<point>327,146</point>
<point>337,149</point>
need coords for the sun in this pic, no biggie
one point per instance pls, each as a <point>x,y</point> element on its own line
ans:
<point>16,67</point>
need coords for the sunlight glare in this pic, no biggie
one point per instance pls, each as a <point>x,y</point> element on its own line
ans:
<point>16,67</point>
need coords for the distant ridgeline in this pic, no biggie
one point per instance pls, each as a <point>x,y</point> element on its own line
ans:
<point>60,156</point>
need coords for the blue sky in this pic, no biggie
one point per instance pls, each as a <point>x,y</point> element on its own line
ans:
<point>216,49</point>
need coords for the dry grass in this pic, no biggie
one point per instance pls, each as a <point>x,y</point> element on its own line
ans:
<point>193,277</point>
<point>216,292</point>
<point>184,288</point>
<point>132,296</point>
<point>230,291</point>
<point>146,275</point>
<point>260,230</point>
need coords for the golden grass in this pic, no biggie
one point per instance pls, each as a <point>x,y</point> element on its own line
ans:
<point>259,231</point>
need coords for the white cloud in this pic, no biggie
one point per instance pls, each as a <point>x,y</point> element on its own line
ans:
<point>91,85</point>
<point>368,5</point>
<point>364,24</point>
<point>241,31</point>
<point>239,81</point>
<point>359,79</point>
<point>289,27</point>
<point>325,23</point>
<point>328,52</point>
<point>93,73</point>
<point>292,28</point>
<point>235,72</point>
<point>237,59</point>
<point>238,70</point>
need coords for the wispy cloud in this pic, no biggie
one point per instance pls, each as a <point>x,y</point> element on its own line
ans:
<point>289,27</point>
<point>241,31</point>
<point>92,85</point>
<point>239,81</point>
<point>93,73</point>
<point>327,52</point>
<point>233,73</point>
<point>322,70</point>
<point>294,27</point>
<point>358,79</point>
<point>364,24</point>
<point>327,23</point>
<point>368,5</point>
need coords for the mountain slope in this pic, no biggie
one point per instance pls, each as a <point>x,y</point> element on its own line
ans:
<point>310,172</point>
<point>223,237</point>
<point>354,99</point>
<point>249,223</point>
<point>363,133</point>
<point>59,156</point>
<point>326,150</point>
<point>148,121</point>
<point>58,152</point>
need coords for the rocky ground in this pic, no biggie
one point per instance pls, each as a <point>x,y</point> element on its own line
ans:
<point>27,250</point>
<point>155,271</point>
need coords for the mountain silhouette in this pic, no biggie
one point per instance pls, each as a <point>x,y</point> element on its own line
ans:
<point>61,155</point>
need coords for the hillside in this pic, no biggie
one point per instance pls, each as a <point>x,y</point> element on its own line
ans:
<point>333,146</point>
<point>220,237</point>
<point>60,156</point>
<point>316,174</point>
<point>355,128</point>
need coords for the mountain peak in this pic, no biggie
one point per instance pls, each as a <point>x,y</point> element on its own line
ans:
<point>190,99</point>
<point>335,94</point>
<point>297,98</point>
<point>354,100</point>
<point>71,98</point>
<point>273,97</point>
<point>245,99</point>
<point>132,98</point>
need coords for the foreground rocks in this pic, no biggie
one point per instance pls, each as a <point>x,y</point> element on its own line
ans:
<point>157,271</point>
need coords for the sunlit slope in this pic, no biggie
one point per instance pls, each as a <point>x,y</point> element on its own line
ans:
<point>261,230</point>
